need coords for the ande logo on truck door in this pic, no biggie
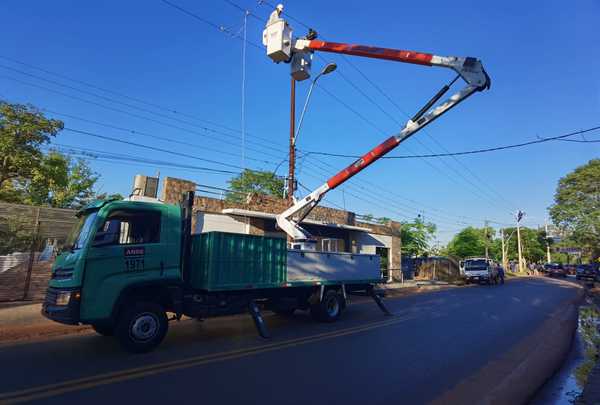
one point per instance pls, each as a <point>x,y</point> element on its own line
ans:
<point>134,258</point>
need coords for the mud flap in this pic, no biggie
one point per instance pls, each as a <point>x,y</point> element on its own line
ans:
<point>259,322</point>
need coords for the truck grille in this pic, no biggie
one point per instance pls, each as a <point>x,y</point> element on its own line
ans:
<point>51,295</point>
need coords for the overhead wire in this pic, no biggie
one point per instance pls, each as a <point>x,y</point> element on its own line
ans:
<point>476,151</point>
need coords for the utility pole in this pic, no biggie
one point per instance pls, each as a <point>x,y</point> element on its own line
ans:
<point>519,216</point>
<point>292,160</point>
<point>548,257</point>
<point>504,264</point>
<point>485,228</point>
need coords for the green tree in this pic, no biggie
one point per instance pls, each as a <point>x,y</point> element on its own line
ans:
<point>58,181</point>
<point>468,242</point>
<point>254,181</point>
<point>23,130</point>
<point>576,206</point>
<point>107,196</point>
<point>533,244</point>
<point>415,236</point>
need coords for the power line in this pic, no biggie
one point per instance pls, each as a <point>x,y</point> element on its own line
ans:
<point>139,145</point>
<point>113,100</point>
<point>162,138</point>
<point>206,129</point>
<point>472,152</point>
<point>205,21</point>
<point>137,100</point>
<point>118,157</point>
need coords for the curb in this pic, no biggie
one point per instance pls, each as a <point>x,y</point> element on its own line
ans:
<point>518,374</point>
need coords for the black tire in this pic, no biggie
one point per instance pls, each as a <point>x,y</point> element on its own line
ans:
<point>142,327</point>
<point>329,309</point>
<point>104,330</point>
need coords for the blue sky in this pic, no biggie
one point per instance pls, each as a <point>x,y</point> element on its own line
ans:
<point>543,60</point>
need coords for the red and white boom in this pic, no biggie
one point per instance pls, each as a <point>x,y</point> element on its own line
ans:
<point>281,47</point>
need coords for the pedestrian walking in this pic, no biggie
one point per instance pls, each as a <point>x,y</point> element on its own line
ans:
<point>501,274</point>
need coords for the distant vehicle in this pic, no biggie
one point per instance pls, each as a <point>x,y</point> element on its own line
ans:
<point>555,269</point>
<point>480,270</point>
<point>586,272</point>
<point>571,268</point>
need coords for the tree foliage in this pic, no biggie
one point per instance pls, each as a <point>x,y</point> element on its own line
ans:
<point>23,130</point>
<point>254,181</point>
<point>576,206</point>
<point>27,175</point>
<point>467,243</point>
<point>533,244</point>
<point>415,237</point>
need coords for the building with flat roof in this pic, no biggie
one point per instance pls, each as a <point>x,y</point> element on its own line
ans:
<point>335,230</point>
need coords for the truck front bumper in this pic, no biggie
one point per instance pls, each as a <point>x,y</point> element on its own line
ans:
<point>62,305</point>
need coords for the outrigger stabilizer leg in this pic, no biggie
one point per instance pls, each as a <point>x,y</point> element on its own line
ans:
<point>259,322</point>
<point>379,301</point>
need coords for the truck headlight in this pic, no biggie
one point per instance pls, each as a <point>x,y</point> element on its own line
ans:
<point>63,298</point>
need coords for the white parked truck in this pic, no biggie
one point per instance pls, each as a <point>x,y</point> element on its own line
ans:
<point>479,270</point>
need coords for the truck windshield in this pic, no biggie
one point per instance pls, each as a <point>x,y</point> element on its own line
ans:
<point>81,231</point>
<point>475,264</point>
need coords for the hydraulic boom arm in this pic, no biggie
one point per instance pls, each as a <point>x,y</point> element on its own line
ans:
<point>277,37</point>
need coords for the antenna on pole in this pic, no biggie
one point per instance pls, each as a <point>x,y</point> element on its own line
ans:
<point>243,118</point>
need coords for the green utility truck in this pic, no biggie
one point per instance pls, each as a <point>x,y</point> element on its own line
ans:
<point>128,264</point>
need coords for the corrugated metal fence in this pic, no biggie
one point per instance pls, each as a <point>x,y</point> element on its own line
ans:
<point>29,239</point>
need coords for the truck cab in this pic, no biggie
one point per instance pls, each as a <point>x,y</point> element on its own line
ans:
<point>115,246</point>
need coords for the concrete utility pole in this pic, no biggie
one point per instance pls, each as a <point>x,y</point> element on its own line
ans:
<point>485,228</point>
<point>504,264</point>
<point>292,165</point>
<point>548,257</point>
<point>519,216</point>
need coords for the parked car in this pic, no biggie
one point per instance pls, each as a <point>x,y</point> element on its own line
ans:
<point>555,269</point>
<point>586,272</point>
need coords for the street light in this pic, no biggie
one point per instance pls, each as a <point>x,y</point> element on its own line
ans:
<point>326,70</point>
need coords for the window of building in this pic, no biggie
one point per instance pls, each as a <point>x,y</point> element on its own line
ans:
<point>384,254</point>
<point>331,245</point>
<point>126,227</point>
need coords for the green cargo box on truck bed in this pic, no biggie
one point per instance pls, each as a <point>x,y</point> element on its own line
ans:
<point>229,261</point>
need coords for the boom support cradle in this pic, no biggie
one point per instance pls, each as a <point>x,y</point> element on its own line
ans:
<point>277,37</point>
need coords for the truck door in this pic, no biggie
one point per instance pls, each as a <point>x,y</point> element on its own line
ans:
<point>129,246</point>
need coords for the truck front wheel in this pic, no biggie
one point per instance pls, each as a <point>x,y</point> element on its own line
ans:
<point>329,309</point>
<point>142,327</point>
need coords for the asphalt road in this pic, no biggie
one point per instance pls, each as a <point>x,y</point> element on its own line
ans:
<point>433,342</point>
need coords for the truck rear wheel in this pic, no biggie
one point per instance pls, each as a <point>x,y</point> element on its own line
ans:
<point>329,309</point>
<point>142,327</point>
